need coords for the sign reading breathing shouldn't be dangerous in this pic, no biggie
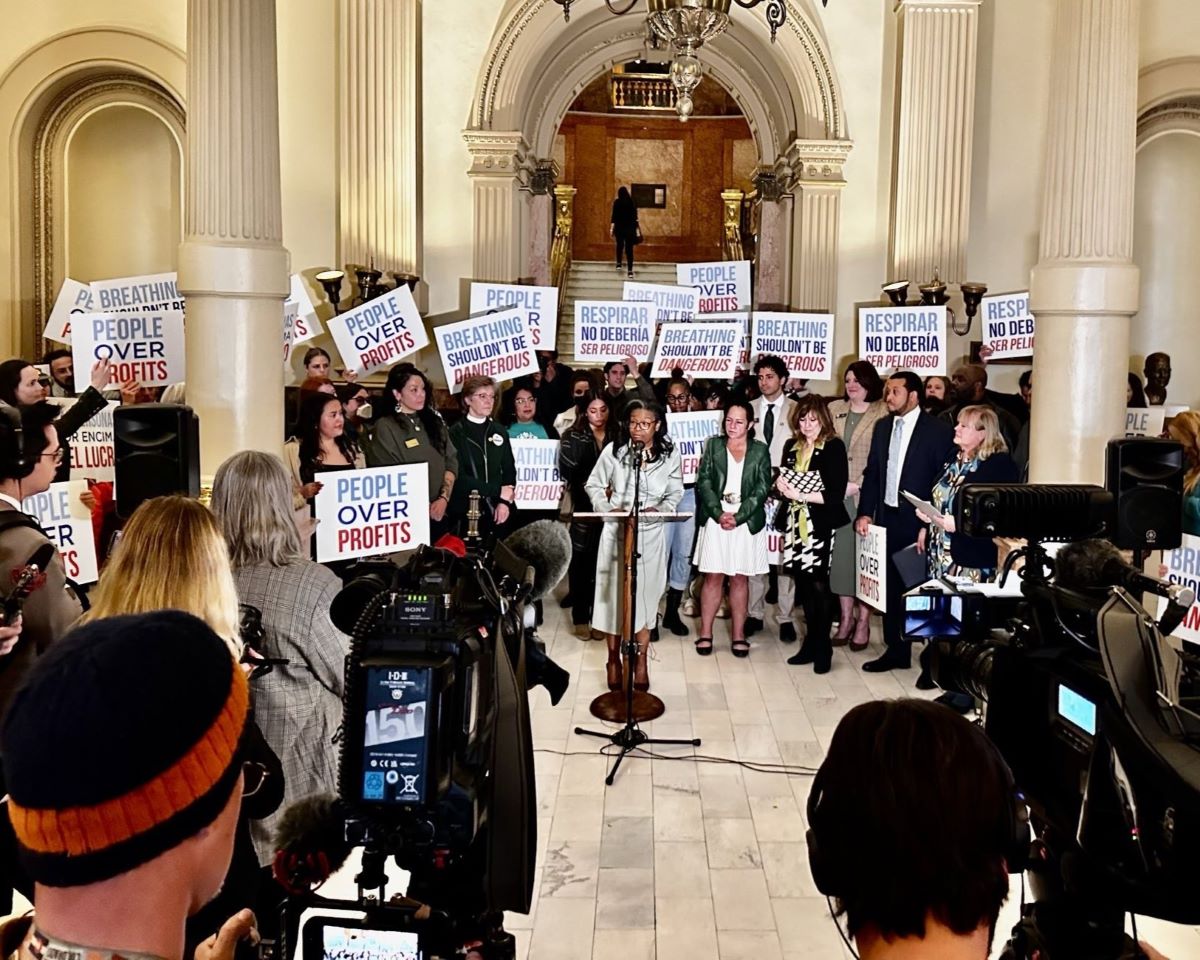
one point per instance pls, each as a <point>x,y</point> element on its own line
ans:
<point>494,345</point>
<point>361,513</point>
<point>803,341</point>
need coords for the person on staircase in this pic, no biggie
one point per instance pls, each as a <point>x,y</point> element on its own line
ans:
<point>624,227</point>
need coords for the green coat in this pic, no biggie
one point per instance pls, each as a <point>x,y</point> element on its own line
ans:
<point>756,484</point>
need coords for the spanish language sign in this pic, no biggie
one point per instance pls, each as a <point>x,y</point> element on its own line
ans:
<point>803,341</point>
<point>708,350</point>
<point>494,345</point>
<point>670,303</point>
<point>361,513</point>
<point>1144,421</point>
<point>73,298</point>
<point>92,451</point>
<point>870,567</point>
<point>539,484</point>
<point>724,286</point>
<point>146,347</point>
<point>613,330</point>
<point>147,294</point>
<point>690,431</point>
<point>379,332</point>
<point>68,523</point>
<point>1183,567</point>
<point>1007,325</point>
<point>903,338</point>
<point>540,305</point>
<point>307,325</point>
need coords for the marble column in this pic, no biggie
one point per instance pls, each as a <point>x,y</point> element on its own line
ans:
<point>773,265</point>
<point>379,210</point>
<point>541,221</point>
<point>233,268</point>
<point>1084,289</point>
<point>501,207</point>
<point>935,120</point>
<point>817,169</point>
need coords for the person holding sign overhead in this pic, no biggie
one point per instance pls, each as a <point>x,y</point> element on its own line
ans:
<point>485,460</point>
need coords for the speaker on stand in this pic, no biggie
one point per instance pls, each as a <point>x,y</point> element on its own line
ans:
<point>157,449</point>
<point>1145,477</point>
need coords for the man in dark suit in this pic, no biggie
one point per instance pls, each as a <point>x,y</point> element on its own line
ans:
<point>908,451</point>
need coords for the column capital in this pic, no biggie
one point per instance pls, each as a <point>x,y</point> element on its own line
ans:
<point>544,177</point>
<point>496,154</point>
<point>935,6</point>
<point>816,162</point>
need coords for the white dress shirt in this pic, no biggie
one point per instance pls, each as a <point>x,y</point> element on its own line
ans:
<point>910,424</point>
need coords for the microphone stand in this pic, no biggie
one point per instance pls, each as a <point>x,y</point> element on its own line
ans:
<point>631,736</point>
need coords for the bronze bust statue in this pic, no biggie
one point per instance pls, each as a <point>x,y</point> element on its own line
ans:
<point>1158,375</point>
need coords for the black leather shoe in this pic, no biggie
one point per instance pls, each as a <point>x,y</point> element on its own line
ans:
<point>753,625</point>
<point>787,633</point>
<point>801,657</point>
<point>925,681</point>
<point>889,661</point>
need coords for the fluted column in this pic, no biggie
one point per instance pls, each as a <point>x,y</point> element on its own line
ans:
<point>379,204</point>
<point>233,268</point>
<point>501,207</point>
<point>1084,289</point>
<point>817,217</point>
<point>935,119</point>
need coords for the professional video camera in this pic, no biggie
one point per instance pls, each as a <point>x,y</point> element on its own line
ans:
<point>1095,709</point>
<point>436,756</point>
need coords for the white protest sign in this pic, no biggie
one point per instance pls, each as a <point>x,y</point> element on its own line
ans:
<point>306,325</point>
<point>1183,568</point>
<point>291,312</point>
<point>361,513</point>
<point>93,454</point>
<point>724,286</point>
<point>803,341</point>
<point>73,298</point>
<point>870,567</point>
<point>152,293</point>
<point>903,338</point>
<point>540,305</point>
<point>743,321</point>
<point>690,431</point>
<point>774,537</point>
<point>1007,325</point>
<point>670,303</point>
<point>708,350</point>
<point>494,345</point>
<point>68,523</point>
<point>146,347</point>
<point>379,332</point>
<point>613,330</point>
<point>539,484</point>
<point>1144,421</point>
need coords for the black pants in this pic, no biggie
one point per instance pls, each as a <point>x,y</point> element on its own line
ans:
<point>625,243</point>
<point>899,536</point>
<point>813,594</point>
<point>581,575</point>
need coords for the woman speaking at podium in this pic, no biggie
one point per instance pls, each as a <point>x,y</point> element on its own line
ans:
<point>642,447</point>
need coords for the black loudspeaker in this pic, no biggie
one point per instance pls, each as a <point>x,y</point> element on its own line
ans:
<point>157,453</point>
<point>1145,477</point>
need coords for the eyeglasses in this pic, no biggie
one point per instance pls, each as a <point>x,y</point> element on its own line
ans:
<point>56,455</point>
<point>254,775</point>
<point>524,400</point>
<point>643,424</point>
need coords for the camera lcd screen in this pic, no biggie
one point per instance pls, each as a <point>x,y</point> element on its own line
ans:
<point>354,943</point>
<point>395,735</point>
<point>933,615</point>
<point>1078,711</point>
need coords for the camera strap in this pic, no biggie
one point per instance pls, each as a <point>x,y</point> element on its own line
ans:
<point>42,947</point>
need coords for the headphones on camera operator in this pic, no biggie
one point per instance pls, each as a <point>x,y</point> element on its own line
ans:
<point>15,454</point>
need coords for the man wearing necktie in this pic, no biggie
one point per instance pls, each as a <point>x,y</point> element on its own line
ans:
<point>908,451</point>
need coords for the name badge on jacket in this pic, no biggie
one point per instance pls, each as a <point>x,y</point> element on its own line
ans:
<point>412,442</point>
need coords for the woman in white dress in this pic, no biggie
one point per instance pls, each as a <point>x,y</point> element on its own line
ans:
<point>732,485</point>
<point>642,435</point>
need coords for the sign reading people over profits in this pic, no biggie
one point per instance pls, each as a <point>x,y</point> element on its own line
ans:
<point>494,345</point>
<point>903,338</point>
<point>670,303</point>
<point>1007,325</point>
<point>540,305</point>
<point>724,286</point>
<point>803,341</point>
<point>690,431</point>
<point>380,332</point>
<point>1144,421</point>
<point>870,567</point>
<point>73,298</point>
<point>361,513</point>
<point>147,294</point>
<point>613,330</point>
<point>706,350</point>
<point>1183,568</point>
<point>146,347</point>
<point>539,484</point>
<point>68,523</point>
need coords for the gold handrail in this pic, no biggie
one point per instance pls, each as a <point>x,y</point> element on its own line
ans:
<point>560,250</point>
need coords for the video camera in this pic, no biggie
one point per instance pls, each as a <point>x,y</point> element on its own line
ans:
<point>1094,707</point>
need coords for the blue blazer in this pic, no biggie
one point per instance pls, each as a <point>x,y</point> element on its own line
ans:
<point>930,447</point>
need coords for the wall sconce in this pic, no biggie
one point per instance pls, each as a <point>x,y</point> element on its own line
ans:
<point>897,292</point>
<point>933,294</point>
<point>972,296</point>
<point>331,281</point>
<point>369,285</point>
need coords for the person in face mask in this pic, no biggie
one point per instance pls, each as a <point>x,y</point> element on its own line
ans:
<point>583,385</point>
<point>356,407</point>
<point>552,387</point>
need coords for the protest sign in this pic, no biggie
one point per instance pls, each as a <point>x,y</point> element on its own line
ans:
<point>73,298</point>
<point>707,350</point>
<point>690,431</point>
<point>870,567</point>
<point>539,304</point>
<point>379,332</point>
<point>93,454</point>
<point>146,347</point>
<point>494,345</point>
<point>724,286</point>
<point>68,523</point>
<point>153,293</point>
<point>539,484</point>
<point>743,321</point>
<point>291,312</point>
<point>361,513</point>
<point>1183,568</point>
<point>307,325</point>
<point>803,341</point>
<point>1144,421</point>
<point>904,338</point>
<point>1007,325</point>
<point>670,303</point>
<point>774,537</point>
<point>613,330</point>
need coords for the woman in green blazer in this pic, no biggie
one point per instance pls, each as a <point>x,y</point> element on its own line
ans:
<point>732,485</point>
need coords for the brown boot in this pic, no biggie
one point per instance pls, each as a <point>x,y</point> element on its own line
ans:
<point>641,672</point>
<point>616,676</point>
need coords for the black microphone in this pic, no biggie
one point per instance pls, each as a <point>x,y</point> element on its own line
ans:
<point>1089,564</point>
<point>310,843</point>
<point>27,580</point>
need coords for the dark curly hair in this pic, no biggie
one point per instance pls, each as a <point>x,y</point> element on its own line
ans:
<point>430,419</point>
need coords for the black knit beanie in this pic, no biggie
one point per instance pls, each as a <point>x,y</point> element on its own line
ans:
<point>123,742</point>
